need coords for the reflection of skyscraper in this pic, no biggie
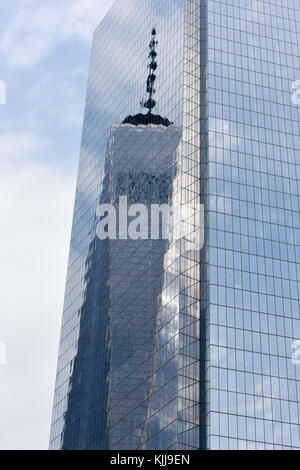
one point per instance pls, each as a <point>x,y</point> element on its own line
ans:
<point>162,348</point>
<point>123,281</point>
<point>141,164</point>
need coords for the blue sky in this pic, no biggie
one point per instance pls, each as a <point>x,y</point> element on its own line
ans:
<point>44,58</point>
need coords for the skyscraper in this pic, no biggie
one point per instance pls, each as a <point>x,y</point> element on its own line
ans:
<point>163,347</point>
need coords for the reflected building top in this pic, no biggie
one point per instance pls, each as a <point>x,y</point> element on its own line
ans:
<point>146,119</point>
<point>150,103</point>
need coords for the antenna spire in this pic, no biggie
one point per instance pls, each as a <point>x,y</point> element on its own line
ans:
<point>151,103</point>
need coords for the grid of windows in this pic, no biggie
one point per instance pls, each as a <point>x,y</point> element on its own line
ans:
<point>253,224</point>
<point>176,393</point>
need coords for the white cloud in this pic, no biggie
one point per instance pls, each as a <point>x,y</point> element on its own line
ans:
<point>221,135</point>
<point>19,146</point>
<point>40,25</point>
<point>58,99</point>
<point>36,202</point>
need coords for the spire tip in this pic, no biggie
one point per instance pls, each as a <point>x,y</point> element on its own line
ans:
<point>151,103</point>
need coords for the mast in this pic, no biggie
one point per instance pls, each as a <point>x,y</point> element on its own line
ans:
<point>151,103</point>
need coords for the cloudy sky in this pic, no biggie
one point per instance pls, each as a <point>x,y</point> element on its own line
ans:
<point>44,56</point>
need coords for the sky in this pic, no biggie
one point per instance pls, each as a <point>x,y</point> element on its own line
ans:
<point>44,58</point>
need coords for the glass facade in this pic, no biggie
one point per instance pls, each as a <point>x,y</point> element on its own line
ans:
<point>163,347</point>
<point>253,224</point>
